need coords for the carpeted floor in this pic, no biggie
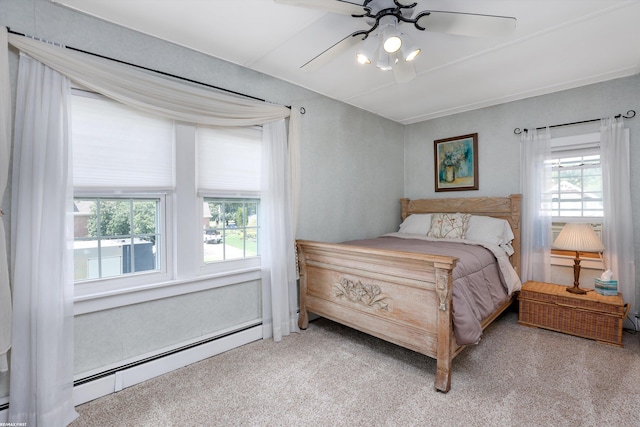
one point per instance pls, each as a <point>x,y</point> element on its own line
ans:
<point>330,375</point>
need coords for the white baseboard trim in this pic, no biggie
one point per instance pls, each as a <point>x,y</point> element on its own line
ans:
<point>127,377</point>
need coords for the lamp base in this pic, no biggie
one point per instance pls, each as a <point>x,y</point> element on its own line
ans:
<point>576,277</point>
<point>576,290</point>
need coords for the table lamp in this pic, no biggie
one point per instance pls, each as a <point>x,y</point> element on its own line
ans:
<point>578,237</point>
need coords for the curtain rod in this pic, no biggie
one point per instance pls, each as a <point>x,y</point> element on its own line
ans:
<point>150,69</point>
<point>630,114</point>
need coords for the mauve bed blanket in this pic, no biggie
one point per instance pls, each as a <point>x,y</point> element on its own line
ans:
<point>478,286</point>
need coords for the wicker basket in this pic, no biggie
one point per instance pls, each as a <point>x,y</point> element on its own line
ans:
<point>591,315</point>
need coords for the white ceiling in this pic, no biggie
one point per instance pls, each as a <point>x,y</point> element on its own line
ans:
<point>557,44</point>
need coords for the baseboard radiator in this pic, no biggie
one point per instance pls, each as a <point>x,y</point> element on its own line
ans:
<point>117,379</point>
<point>127,375</point>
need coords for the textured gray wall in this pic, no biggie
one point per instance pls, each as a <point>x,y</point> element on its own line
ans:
<point>151,326</point>
<point>499,161</point>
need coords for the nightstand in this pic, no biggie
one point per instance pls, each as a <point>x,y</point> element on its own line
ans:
<point>591,315</point>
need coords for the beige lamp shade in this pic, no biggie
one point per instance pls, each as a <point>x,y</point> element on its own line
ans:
<point>578,237</point>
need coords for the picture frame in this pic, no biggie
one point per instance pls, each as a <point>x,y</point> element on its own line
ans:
<point>456,163</point>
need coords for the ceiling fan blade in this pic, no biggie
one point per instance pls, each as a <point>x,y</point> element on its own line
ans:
<point>332,52</point>
<point>335,6</point>
<point>466,24</point>
<point>403,71</point>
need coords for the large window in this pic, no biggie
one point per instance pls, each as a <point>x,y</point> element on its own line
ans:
<point>151,196</point>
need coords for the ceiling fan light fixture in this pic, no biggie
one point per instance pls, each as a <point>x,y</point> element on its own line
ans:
<point>368,51</point>
<point>386,46</point>
<point>362,58</point>
<point>391,41</point>
<point>409,52</point>
<point>412,54</point>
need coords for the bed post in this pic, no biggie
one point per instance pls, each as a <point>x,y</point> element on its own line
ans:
<point>303,318</point>
<point>444,285</point>
<point>405,208</point>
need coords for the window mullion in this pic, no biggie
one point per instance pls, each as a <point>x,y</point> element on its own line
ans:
<point>132,240</point>
<point>186,228</point>
<point>99,234</point>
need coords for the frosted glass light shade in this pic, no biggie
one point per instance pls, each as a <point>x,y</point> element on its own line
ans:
<point>384,61</point>
<point>578,237</point>
<point>369,49</point>
<point>392,43</point>
<point>409,50</point>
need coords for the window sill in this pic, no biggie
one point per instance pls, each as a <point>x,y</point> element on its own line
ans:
<point>562,258</point>
<point>84,303</point>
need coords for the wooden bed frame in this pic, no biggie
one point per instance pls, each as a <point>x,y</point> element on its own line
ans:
<point>400,297</point>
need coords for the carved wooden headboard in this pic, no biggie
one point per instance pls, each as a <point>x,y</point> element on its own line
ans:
<point>507,208</point>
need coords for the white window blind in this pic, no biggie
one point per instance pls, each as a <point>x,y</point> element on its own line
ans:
<point>229,160</point>
<point>585,144</point>
<point>576,191</point>
<point>115,146</point>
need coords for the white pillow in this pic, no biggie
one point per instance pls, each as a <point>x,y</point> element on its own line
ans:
<point>490,230</point>
<point>449,225</point>
<point>416,224</point>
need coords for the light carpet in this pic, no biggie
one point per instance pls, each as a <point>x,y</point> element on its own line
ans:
<point>330,375</point>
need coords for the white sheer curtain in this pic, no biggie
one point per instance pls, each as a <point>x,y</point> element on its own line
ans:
<point>5,150</point>
<point>617,235</point>
<point>535,178</point>
<point>184,102</point>
<point>41,375</point>
<point>279,297</point>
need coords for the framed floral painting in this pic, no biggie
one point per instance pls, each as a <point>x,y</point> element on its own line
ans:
<point>456,163</point>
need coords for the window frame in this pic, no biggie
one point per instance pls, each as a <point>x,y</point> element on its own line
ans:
<point>181,255</point>
<point>582,144</point>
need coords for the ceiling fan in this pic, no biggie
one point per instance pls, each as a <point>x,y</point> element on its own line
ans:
<point>384,43</point>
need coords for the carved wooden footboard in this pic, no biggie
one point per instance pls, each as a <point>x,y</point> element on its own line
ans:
<point>400,297</point>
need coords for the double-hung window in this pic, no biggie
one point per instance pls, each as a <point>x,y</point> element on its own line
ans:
<point>123,171</point>
<point>228,181</point>
<point>576,192</point>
